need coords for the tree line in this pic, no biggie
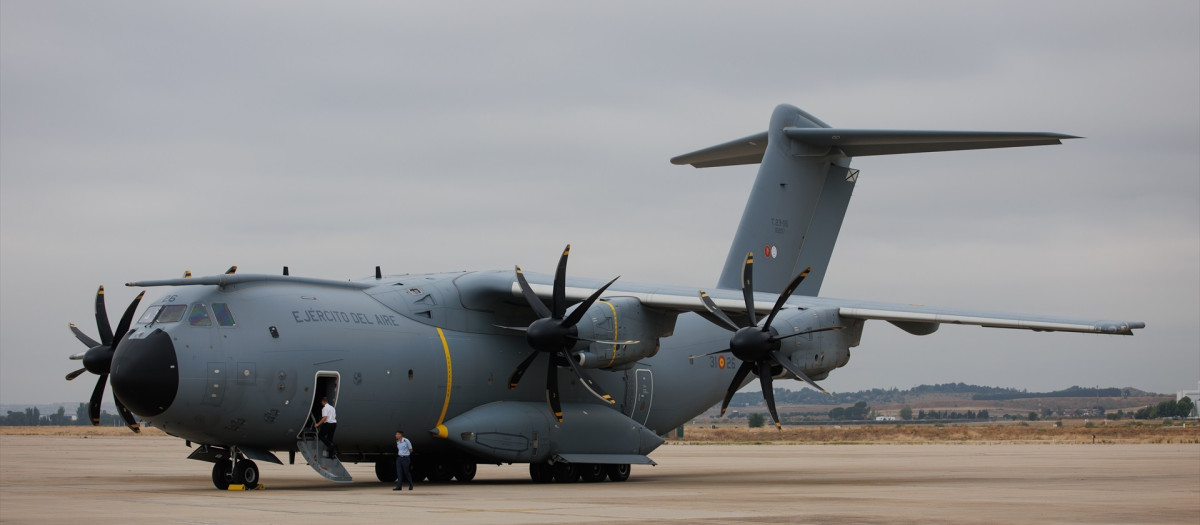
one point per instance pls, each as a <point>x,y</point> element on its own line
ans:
<point>906,414</point>
<point>33,417</point>
<point>1180,408</point>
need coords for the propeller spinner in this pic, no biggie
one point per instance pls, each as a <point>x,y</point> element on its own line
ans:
<point>758,346</point>
<point>554,333</point>
<point>99,355</point>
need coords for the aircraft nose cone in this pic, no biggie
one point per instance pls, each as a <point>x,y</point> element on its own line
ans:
<point>145,373</point>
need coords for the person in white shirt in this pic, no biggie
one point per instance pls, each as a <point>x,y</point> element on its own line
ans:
<point>404,450</point>
<point>326,427</point>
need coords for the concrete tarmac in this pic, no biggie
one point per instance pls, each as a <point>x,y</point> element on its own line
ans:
<point>147,479</point>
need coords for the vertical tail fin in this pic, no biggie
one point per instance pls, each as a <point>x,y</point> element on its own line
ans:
<point>804,184</point>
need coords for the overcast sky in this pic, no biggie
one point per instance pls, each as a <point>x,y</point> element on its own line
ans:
<point>140,139</point>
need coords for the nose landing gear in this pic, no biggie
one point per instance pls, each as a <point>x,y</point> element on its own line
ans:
<point>241,471</point>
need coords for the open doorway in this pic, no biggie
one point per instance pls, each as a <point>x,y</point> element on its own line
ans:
<point>326,385</point>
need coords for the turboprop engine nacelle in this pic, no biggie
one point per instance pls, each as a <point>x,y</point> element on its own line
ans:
<point>820,352</point>
<point>621,319</point>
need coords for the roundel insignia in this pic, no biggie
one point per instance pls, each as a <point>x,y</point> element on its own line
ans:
<point>721,362</point>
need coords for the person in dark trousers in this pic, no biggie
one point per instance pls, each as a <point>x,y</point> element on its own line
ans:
<point>404,450</point>
<point>326,427</point>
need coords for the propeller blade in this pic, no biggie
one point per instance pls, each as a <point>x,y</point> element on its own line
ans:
<point>102,318</point>
<point>783,297</point>
<point>75,374</point>
<point>559,304</point>
<point>126,319</point>
<point>725,351</point>
<point>764,379</point>
<point>127,416</point>
<point>813,331</point>
<point>83,338</point>
<point>582,309</point>
<point>538,306</point>
<point>748,287</point>
<point>737,382</point>
<point>97,396</point>
<point>520,371</point>
<point>606,342</point>
<point>552,390</point>
<point>587,381</point>
<point>712,309</point>
<point>787,363</point>
<point>516,328</point>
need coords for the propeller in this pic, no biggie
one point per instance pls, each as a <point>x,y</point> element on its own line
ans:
<point>554,333</point>
<point>99,355</point>
<point>758,346</point>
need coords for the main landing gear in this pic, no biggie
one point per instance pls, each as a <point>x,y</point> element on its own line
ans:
<point>437,470</point>
<point>571,472</point>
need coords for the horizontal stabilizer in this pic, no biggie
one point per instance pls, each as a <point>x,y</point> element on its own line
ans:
<point>863,143</point>
<point>746,150</point>
<point>866,142</point>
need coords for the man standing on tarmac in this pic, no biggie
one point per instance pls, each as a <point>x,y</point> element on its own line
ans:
<point>326,427</point>
<point>403,461</point>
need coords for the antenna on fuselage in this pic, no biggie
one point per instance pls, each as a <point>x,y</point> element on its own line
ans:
<point>187,274</point>
<point>285,270</point>
<point>231,270</point>
<point>378,273</point>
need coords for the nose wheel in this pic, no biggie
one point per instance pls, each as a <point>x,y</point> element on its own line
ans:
<point>241,472</point>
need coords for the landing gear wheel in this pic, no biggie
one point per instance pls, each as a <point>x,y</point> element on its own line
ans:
<point>245,472</point>
<point>617,472</point>
<point>464,471</point>
<point>221,474</point>
<point>440,472</point>
<point>385,470</point>
<point>541,472</point>
<point>592,472</point>
<point>417,469</point>
<point>565,473</point>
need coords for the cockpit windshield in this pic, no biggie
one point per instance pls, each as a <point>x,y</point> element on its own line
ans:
<point>160,313</point>
<point>150,313</point>
<point>171,313</point>
<point>199,316</point>
<point>224,316</point>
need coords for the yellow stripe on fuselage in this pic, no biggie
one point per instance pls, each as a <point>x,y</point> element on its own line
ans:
<point>442,431</point>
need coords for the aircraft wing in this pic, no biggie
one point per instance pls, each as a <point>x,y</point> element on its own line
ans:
<point>1039,323</point>
<point>912,318</point>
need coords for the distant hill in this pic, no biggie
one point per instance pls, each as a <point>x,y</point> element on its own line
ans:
<point>876,396</point>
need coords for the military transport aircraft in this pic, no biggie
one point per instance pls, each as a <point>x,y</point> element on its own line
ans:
<point>469,362</point>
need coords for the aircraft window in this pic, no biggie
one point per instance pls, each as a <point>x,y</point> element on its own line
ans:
<point>149,314</point>
<point>199,316</point>
<point>223,315</point>
<point>171,313</point>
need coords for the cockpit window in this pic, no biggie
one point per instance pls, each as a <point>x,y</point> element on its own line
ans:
<point>149,314</point>
<point>171,313</point>
<point>199,316</point>
<point>224,316</point>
